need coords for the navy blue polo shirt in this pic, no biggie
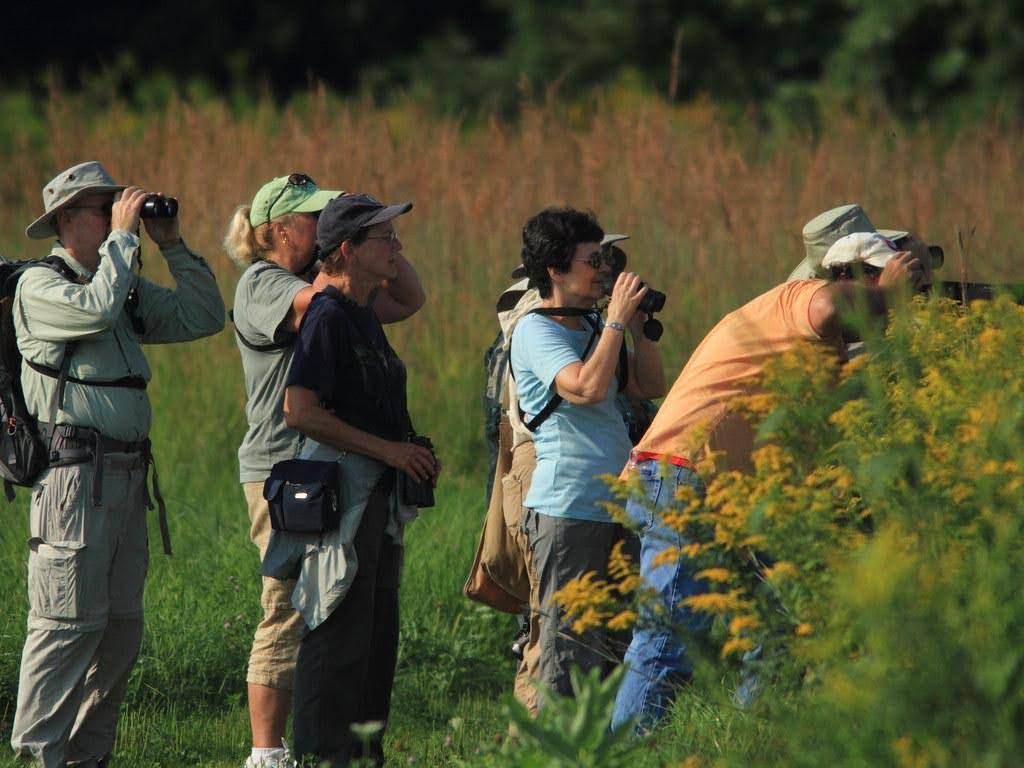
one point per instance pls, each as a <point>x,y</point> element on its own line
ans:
<point>342,354</point>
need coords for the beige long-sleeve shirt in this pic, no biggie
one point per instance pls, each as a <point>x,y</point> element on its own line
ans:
<point>50,311</point>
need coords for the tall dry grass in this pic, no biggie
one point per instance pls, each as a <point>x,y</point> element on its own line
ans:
<point>714,207</point>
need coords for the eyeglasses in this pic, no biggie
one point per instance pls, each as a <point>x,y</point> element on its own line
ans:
<point>294,180</point>
<point>105,208</point>
<point>595,260</point>
<point>391,237</point>
<point>853,270</point>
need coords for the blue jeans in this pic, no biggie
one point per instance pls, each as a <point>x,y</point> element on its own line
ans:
<point>656,664</point>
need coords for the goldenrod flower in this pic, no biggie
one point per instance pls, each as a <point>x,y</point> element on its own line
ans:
<point>667,556</point>
<point>743,623</point>
<point>736,645</point>
<point>622,620</point>
<point>781,570</point>
<point>722,575</point>
<point>714,602</point>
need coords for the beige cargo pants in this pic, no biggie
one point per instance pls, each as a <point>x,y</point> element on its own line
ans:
<point>86,570</point>
<point>275,646</point>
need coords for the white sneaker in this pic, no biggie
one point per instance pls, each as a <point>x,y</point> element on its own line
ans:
<point>280,759</point>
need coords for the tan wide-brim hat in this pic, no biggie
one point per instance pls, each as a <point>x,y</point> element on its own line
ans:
<point>822,231</point>
<point>66,187</point>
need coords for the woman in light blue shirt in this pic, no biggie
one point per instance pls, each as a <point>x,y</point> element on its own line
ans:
<point>564,360</point>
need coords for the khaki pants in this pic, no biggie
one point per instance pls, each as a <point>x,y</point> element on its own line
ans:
<point>515,484</point>
<point>86,570</point>
<point>275,645</point>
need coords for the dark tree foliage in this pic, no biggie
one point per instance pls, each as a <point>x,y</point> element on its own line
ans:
<point>919,57</point>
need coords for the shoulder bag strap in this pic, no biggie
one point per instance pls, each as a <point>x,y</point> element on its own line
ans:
<point>289,338</point>
<point>556,400</point>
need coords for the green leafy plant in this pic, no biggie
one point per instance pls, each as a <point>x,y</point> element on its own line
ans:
<point>568,732</point>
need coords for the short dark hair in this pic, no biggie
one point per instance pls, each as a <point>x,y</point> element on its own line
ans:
<point>550,239</point>
<point>329,262</point>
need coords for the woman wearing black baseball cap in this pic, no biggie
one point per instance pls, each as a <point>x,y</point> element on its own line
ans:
<point>274,238</point>
<point>347,394</point>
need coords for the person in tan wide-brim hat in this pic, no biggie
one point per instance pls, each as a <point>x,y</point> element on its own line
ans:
<point>80,325</point>
<point>824,229</point>
<point>65,189</point>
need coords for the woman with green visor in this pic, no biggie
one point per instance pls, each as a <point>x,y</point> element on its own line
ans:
<point>274,239</point>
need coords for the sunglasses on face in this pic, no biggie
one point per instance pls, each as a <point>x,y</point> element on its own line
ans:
<point>594,260</point>
<point>294,180</point>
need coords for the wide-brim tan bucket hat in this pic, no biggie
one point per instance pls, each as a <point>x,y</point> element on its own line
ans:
<point>822,231</point>
<point>66,187</point>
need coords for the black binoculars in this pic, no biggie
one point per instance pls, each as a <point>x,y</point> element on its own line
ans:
<point>412,491</point>
<point>159,207</point>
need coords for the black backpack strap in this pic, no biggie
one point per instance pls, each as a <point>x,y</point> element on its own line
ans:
<point>556,400</point>
<point>62,376</point>
<point>287,339</point>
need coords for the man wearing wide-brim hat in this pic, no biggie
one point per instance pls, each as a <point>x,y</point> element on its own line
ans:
<point>824,229</point>
<point>82,325</point>
<point>698,418</point>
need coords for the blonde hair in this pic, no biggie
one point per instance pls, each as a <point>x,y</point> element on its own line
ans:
<point>245,244</point>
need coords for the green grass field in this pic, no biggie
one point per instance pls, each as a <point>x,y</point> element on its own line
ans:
<point>715,210</point>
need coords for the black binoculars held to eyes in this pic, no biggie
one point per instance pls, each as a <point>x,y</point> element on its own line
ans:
<point>159,207</point>
<point>653,301</point>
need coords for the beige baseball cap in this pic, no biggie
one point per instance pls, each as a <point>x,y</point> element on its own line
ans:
<point>66,187</point>
<point>864,247</point>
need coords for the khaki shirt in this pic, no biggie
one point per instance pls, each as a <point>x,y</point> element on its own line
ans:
<point>49,311</point>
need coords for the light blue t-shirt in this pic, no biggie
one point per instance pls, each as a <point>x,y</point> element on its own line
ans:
<point>577,442</point>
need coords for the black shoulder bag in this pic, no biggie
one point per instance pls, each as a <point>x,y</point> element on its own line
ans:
<point>304,496</point>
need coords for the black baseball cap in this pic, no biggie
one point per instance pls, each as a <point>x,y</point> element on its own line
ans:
<point>344,216</point>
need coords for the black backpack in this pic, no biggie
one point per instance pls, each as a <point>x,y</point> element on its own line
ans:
<point>23,453</point>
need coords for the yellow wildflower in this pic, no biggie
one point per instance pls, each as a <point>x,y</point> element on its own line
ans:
<point>693,550</point>
<point>622,620</point>
<point>591,618</point>
<point>722,575</point>
<point>714,602</point>
<point>667,556</point>
<point>736,645</point>
<point>781,570</point>
<point>743,623</point>
<point>620,564</point>
<point>803,630</point>
<point>629,584</point>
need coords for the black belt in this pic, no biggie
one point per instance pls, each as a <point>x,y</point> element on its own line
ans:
<point>78,445</point>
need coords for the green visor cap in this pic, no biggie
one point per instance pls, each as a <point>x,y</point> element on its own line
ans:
<point>295,193</point>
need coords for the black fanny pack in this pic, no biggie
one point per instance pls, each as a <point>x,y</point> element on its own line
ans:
<point>304,496</point>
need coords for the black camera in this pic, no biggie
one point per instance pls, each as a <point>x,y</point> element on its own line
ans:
<point>653,301</point>
<point>159,207</point>
<point>411,490</point>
